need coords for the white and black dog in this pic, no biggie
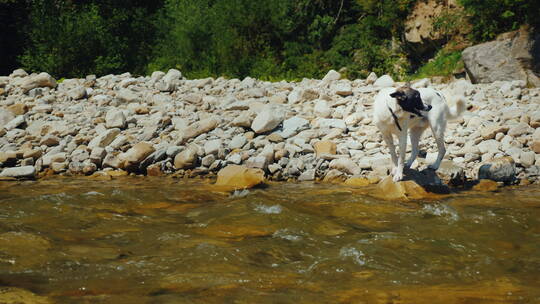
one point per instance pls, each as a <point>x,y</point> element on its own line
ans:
<point>396,111</point>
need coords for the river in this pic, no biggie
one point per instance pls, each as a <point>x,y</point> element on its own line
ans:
<point>164,240</point>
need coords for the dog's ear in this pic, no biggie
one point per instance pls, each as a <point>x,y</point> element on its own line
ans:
<point>396,94</point>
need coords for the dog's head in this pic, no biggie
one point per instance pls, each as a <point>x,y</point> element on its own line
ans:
<point>409,100</point>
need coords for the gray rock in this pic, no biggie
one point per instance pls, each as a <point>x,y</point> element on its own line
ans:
<point>103,139</point>
<point>77,93</point>
<point>15,122</point>
<point>293,125</point>
<point>343,88</point>
<point>19,172</point>
<point>199,127</point>
<point>268,119</point>
<point>330,123</point>
<point>510,57</point>
<point>500,170</point>
<point>115,118</point>
<point>5,116</point>
<point>208,160</point>
<point>308,175</point>
<point>39,80</point>
<point>127,95</point>
<point>384,81</point>
<point>237,141</point>
<point>212,146</point>
<point>346,165</point>
<point>331,76</point>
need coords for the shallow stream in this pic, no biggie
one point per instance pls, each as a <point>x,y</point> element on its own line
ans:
<point>161,240</point>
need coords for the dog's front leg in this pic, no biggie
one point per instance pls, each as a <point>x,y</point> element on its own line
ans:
<point>390,143</point>
<point>402,150</point>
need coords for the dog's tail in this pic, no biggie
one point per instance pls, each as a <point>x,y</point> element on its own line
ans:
<point>458,107</point>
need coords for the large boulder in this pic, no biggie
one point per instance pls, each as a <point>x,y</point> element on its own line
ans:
<point>239,177</point>
<point>268,119</point>
<point>512,56</point>
<point>199,127</point>
<point>19,172</point>
<point>136,154</point>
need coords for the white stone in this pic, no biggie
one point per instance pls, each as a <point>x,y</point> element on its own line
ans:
<point>384,81</point>
<point>19,172</point>
<point>268,119</point>
<point>115,118</point>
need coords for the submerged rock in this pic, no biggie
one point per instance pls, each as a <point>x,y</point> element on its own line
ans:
<point>239,177</point>
<point>405,190</point>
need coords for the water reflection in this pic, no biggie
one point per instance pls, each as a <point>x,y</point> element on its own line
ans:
<point>145,240</point>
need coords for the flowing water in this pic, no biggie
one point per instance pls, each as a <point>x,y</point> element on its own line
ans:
<point>146,240</point>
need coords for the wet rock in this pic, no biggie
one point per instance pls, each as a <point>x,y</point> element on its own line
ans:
<point>239,177</point>
<point>486,185</point>
<point>19,172</point>
<point>404,190</point>
<point>12,295</point>
<point>500,170</point>
<point>358,181</point>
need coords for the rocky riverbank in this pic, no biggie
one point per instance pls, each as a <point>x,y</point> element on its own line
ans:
<point>310,130</point>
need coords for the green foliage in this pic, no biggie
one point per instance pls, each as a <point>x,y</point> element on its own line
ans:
<point>490,18</point>
<point>280,38</point>
<point>444,64</point>
<point>73,40</point>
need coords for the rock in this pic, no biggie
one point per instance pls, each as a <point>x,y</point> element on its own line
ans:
<point>332,75</point>
<point>18,109</point>
<point>169,82</point>
<point>405,190</point>
<point>527,159</point>
<point>186,159</point>
<point>293,125</point>
<point>12,295</point>
<point>136,154</point>
<point>372,77</point>
<point>343,89</point>
<point>268,119</point>
<point>50,140</point>
<point>243,120</point>
<point>535,146</point>
<point>19,172</point>
<point>104,138</point>
<point>237,142</point>
<point>486,185</point>
<point>330,123</point>
<point>115,118</point>
<point>50,158</point>
<point>5,116</point>
<point>212,146</point>
<point>333,176</point>
<point>489,146</point>
<point>346,165</point>
<point>519,129</point>
<point>15,122</point>
<point>322,109</point>
<point>208,160</point>
<point>38,81</point>
<point>384,81</point>
<point>325,147</point>
<point>154,170</point>
<point>97,155</point>
<point>127,95</point>
<point>500,170</point>
<point>308,175</point>
<point>451,173</point>
<point>199,127</point>
<point>239,177</point>
<point>77,93</point>
<point>358,181</point>
<point>490,131</point>
<point>509,57</point>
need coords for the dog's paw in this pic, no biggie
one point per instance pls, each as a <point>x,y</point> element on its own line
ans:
<point>398,177</point>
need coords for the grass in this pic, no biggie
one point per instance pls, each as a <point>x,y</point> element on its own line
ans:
<point>443,64</point>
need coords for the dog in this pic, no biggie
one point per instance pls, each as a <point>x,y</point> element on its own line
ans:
<point>398,111</point>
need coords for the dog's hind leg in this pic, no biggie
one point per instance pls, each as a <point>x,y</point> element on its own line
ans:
<point>438,133</point>
<point>387,137</point>
<point>415,135</point>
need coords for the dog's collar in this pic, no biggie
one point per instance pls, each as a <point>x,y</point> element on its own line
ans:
<point>395,118</point>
